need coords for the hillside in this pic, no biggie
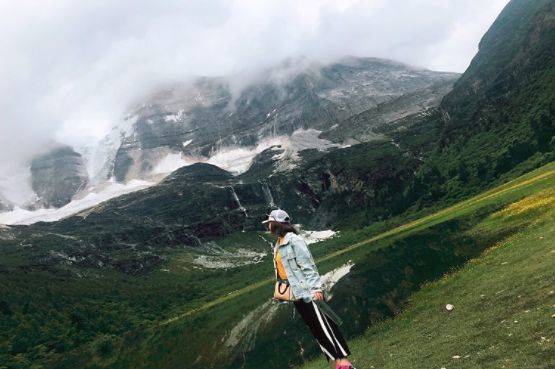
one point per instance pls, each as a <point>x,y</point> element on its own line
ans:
<point>388,268</point>
<point>500,113</point>
<point>504,302</point>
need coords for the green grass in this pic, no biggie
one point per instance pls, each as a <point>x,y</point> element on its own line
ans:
<point>468,224</point>
<point>506,193</point>
<point>504,315</point>
<point>145,322</point>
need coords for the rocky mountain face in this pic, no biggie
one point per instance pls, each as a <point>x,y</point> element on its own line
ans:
<point>361,127</point>
<point>500,113</point>
<point>201,202</point>
<point>228,121</point>
<point>512,69</point>
<point>210,114</point>
<point>58,175</point>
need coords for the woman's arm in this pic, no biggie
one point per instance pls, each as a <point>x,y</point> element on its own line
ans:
<point>306,263</point>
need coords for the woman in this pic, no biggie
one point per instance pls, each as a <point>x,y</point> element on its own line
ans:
<point>294,263</point>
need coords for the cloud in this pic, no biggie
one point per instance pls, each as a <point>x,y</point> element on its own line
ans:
<point>70,68</point>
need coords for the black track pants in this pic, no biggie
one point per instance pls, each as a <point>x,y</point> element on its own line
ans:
<point>324,329</point>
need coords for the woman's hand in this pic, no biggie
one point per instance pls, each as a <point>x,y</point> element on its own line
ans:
<point>318,295</point>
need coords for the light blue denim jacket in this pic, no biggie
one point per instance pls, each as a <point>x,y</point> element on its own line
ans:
<point>299,266</point>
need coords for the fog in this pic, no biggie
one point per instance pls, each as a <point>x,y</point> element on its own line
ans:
<point>69,69</point>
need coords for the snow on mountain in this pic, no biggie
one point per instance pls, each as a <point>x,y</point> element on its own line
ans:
<point>173,161</point>
<point>317,236</point>
<point>213,119</point>
<point>93,197</point>
<point>236,160</point>
<point>291,107</point>
<point>333,276</point>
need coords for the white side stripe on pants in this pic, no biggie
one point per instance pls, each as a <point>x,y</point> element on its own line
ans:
<point>326,352</point>
<point>325,329</point>
<point>333,334</point>
<point>322,323</point>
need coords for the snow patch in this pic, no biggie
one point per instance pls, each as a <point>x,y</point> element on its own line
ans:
<point>238,159</point>
<point>301,139</point>
<point>317,236</point>
<point>333,276</point>
<point>100,157</point>
<point>171,162</point>
<point>175,117</point>
<point>93,197</point>
<point>223,259</point>
<point>234,160</point>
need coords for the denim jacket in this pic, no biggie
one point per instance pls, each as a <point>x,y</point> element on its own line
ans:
<point>300,267</point>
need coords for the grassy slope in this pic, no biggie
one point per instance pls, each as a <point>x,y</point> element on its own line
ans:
<point>162,349</point>
<point>201,323</point>
<point>506,193</point>
<point>504,300</point>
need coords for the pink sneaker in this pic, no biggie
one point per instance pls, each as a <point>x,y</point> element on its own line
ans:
<point>345,366</point>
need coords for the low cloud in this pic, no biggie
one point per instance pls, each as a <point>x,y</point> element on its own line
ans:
<point>70,68</point>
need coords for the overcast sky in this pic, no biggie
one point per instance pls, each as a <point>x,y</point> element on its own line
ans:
<point>70,68</point>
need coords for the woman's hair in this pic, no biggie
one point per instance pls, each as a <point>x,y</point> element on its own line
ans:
<point>283,228</point>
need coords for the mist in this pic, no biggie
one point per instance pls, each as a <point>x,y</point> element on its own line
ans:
<point>71,69</point>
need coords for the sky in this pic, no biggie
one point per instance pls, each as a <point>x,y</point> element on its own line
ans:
<point>69,69</point>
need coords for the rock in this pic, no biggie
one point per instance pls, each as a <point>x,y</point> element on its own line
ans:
<point>58,175</point>
<point>198,173</point>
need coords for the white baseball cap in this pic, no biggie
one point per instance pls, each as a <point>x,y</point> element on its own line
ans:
<point>279,216</point>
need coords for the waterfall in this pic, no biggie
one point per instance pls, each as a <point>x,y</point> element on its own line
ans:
<point>268,194</point>
<point>237,201</point>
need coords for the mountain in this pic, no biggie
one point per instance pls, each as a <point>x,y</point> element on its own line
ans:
<point>58,175</point>
<point>226,121</point>
<point>184,263</point>
<point>501,111</point>
<point>211,115</point>
<point>201,202</point>
<point>497,122</point>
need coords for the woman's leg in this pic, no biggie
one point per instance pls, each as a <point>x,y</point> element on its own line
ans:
<point>325,331</point>
<point>337,335</point>
<point>340,340</point>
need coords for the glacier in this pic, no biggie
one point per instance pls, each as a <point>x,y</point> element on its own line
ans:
<point>93,197</point>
